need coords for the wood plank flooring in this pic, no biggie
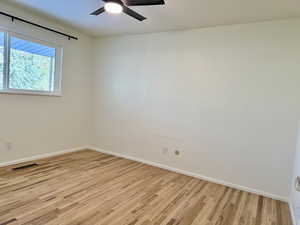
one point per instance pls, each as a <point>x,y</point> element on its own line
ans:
<point>91,188</point>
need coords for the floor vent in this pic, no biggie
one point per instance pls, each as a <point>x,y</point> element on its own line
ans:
<point>25,166</point>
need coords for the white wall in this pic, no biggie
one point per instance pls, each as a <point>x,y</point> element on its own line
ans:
<point>226,97</point>
<point>295,196</point>
<point>41,124</point>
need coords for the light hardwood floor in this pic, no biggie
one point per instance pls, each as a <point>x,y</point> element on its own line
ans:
<point>91,188</point>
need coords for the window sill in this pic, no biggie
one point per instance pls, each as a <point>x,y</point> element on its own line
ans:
<point>21,92</point>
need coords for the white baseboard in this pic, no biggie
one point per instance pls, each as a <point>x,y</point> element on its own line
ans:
<point>188,173</point>
<point>294,220</point>
<point>192,174</point>
<point>41,156</point>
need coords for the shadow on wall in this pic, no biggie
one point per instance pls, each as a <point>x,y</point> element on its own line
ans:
<point>295,189</point>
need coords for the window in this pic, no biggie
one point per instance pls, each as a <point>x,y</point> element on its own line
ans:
<point>29,66</point>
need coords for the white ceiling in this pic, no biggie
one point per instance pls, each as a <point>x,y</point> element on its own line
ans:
<point>175,15</point>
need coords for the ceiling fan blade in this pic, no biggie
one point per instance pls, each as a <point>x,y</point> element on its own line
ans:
<point>98,11</point>
<point>133,14</point>
<point>144,2</point>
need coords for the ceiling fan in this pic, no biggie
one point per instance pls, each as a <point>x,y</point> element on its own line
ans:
<point>118,6</point>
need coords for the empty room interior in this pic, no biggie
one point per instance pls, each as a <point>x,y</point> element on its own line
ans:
<point>149,112</point>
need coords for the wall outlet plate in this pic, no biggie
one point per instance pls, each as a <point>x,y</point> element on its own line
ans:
<point>9,145</point>
<point>165,151</point>
<point>297,183</point>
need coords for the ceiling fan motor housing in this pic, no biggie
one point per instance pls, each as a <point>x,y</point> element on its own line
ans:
<point>127,10</point>
<point>115,1</point>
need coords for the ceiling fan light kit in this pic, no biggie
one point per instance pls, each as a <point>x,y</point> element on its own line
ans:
<point>118,6</point>
<point>112,7</point>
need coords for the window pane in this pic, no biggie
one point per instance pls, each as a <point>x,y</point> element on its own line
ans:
<point>1,58</point>
<point>31,66</point>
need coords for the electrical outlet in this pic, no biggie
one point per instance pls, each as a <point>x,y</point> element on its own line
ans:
<point>177,152</point>
<point>9,145</point>
<point>297,184</point>
<point>165,151</point>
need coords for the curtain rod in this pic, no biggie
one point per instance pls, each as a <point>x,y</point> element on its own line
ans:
<point>37,25</point>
